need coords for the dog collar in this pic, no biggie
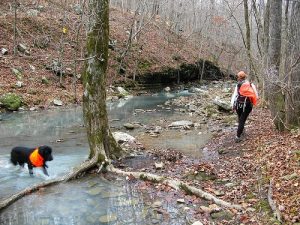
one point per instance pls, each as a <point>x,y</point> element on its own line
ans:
<point>36,159</point>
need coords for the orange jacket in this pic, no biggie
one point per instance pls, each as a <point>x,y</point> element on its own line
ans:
<point>36,159</point>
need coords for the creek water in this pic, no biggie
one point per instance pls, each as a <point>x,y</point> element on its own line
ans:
<point>90,200</point>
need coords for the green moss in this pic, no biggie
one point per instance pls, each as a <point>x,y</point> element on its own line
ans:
<point>222,215</point>
<point>263,205</point>
<point>11,101</point>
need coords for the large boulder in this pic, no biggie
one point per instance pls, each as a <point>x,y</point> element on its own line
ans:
<point>10,101</point>
<point>223,105</point>
<point>122,137</point>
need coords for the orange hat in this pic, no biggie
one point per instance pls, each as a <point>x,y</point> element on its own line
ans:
<point>242,75</point>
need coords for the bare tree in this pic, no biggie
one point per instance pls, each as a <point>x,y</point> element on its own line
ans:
<point>102,144</point>
<point>275,82</point>
<point>292,69</point>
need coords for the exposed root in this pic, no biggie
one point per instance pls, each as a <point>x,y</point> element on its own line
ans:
<point>73,174</point>
<point>272,203</point>
<point>176,184</point>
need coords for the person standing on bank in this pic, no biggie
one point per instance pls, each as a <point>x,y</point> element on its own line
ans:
<point>242,101</point>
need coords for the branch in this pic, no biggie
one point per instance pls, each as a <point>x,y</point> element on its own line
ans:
<point>272,203</point>
<point>73,174</point>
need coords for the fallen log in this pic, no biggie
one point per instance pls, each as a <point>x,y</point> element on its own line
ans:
<point>176,184</point>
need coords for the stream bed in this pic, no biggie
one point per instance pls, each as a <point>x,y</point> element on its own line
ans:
<point>90,200</point>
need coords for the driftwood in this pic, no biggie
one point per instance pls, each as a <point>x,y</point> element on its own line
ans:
<point>73,174</point>
<point>176,184</point>
<point>272,203</point>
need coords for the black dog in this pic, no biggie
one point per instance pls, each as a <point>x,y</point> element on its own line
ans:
<point>34,157</point>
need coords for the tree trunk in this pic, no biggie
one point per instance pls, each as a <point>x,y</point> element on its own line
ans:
<point>293,68</point>
<point>101,142</point>
<point>275,84</point>
<point>248,34</point>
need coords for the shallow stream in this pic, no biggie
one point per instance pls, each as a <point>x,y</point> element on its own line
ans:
<point>91,200</point>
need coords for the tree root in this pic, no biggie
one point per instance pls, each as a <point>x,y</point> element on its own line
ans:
<point>176,184</point>
<point>272,203</point>
<point>73,174</point>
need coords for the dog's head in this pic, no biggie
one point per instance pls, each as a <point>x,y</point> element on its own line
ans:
<point>46,152</point>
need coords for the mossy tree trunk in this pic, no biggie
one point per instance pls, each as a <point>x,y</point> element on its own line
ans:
<point>101,142</point>
<point>277,98</point>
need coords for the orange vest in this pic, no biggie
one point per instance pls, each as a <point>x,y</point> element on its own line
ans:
<point>36,159</point>
<point>247,91</point>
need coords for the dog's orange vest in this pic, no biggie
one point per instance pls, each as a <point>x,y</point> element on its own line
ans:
<point>36,159</point>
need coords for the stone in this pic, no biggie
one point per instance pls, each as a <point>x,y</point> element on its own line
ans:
<point>122,137</point>
<point>167,89</point>
<point>223,105</point>
<point>19,84</point>
<point>45,80</point>
<point>4,51</point>
<point>180,200</point>
<point>17,73</point>
<point>10,101</point>
<point>224,215</point>
<point>197,223</point>
<point>78,9</point>
<point>40,8</point>
<point>32,68</point>
<point>128,126</point>
<point>57,102</point>
<point>112,44</point>
<point>159,165</point>
<point>33,12</point>
<point>109,218</point>
<point>23,49</point>
<point>56,67</point>
<point>229,185</point>
<point>157,204</point>
<point>122,91</point>
<point>205,209</point>
<point>182,123</point>
<point>214,208</point>
<point>219,193</point>
<point>198,90</point>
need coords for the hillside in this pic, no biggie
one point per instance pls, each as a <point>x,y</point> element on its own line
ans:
<point>30,73</point>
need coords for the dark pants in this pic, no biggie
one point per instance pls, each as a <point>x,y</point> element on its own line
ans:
<point>243,112</point>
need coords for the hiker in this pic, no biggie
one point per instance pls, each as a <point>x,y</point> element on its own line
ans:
<point>244,97</point>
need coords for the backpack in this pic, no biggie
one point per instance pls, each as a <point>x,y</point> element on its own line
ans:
<point>246,93</point>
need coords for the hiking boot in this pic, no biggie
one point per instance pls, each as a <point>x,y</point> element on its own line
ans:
<point>237,139</point>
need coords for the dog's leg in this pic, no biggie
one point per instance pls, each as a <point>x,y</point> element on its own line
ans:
<point>30,168</point>
<point>45,170</point>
